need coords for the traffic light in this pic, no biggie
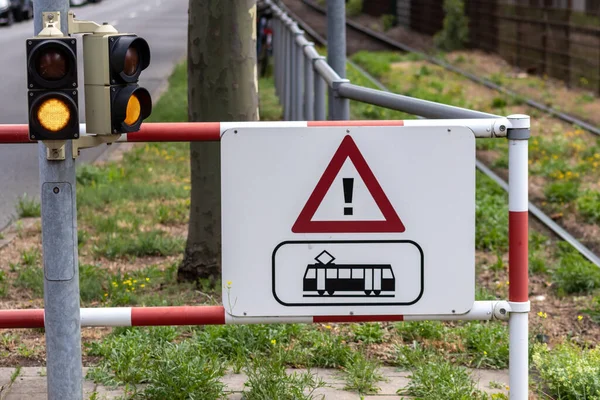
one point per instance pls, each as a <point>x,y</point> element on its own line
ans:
<point>113,62</point>
<point>52,88</point>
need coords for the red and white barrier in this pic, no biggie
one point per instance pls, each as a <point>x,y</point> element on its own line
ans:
<point>212,131</point>
<point>217,315</point>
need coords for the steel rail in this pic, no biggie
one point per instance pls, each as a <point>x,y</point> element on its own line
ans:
<point>482,81</point>
<point>534,210</point>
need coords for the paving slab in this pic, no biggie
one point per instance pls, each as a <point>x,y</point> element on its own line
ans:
<point>31,384</point>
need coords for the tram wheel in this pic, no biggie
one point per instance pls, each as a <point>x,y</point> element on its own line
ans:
<point>321,292</point>
<point>377,292</point>
<point>331,292</point>
<point>367,292</point>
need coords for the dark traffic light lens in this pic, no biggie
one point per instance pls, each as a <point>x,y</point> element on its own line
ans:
<point>52,65</point>
<point>132,61</point>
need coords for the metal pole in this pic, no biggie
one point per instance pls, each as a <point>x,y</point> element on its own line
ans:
<point>276,64</point>
<point>287,74</point>
<point>518,254</point>
<point>319,82</point>
<point>336,52</point>
<point>299,77</point>
<point>59,242</point>
<point>309,95</point>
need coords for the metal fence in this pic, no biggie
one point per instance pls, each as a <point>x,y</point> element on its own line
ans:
<point>560,39</point>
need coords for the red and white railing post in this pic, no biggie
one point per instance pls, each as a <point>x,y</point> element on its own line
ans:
<point>518,255</point>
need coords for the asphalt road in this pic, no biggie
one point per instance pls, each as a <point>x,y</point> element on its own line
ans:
<point>163,23</point>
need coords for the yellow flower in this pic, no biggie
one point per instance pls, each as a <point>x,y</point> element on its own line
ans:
<point>105,294</point>
<point>273,341</point>
<point>542,314</point>
<point>327,326</point>
<point>228,283</point>
<point>485,353</point>
<point>579,317</point>
<point>147,279</point>
<point>142,285</point>
<point>135,281</point>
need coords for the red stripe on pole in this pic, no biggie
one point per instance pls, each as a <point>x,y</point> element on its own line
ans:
<point>356,123</point>
<point>186,315</point>
<point>14,133</point>
<point>33,318</point>
<point>177,132</point>
<point>357,318</point>
<point>518,252</point>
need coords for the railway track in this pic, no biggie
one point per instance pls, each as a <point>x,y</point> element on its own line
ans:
<point>395,45</point>
<point>543,218</point>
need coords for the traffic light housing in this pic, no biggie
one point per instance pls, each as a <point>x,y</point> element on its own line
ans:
<point>52,88</point>
<point>113,62</point>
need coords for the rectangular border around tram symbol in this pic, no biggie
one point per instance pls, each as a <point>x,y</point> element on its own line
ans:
<point>280,245</point>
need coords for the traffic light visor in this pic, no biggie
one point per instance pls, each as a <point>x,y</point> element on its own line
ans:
<point>129,56</point>
<point>51,63</point>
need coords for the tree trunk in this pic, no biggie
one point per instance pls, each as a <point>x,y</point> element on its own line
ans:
<point>222,86</point>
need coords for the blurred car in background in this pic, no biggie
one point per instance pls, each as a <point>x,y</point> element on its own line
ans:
<point>15,10</point>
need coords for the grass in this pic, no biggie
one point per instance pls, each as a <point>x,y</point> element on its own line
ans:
<point>28,207</point>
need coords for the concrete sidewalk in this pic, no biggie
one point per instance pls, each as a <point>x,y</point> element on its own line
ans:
<point>30,384</point>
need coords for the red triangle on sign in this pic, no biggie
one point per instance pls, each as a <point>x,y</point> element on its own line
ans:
<point>348,149</point>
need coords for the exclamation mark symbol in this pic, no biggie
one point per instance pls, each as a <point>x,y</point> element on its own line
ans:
<point>348,187</point>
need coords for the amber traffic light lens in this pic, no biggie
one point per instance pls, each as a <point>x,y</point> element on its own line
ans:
<point>132,61</point>
<point>52,65</point>
<point>134,110</point>
<point>54,114</point>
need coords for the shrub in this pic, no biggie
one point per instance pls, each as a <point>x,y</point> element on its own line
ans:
<point>354,7</point>
<point>388,21</point>
<point>589,205</point>
<point>455,32</point>
<point>574,273</point>
<point>568,372</point>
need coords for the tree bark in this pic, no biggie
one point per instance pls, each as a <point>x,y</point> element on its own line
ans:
<point>222,86</point>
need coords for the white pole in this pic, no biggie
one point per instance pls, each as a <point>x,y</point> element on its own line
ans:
<point>518,199</point>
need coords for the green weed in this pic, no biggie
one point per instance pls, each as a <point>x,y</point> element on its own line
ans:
<point>368,333</point>
<point>588,205</point>
<point>441,380</point>
<point>270,109</point>
<point>28,207</point>
<point>562,192</point>
<point>182,371</point>
<point>486,344</point>
<point>267,379</point>
<point>30,257</point>
<point>15,374</point>
<point>150,243</point>
<point>354,8</point>
<point>568,372</point>
<point>91,281</point>
<point>388,21</point>
<point>31,277</point>
<point>3,284</point>
<point>419,330</point>
<point>574,274</point>
<point>407,356</point>
<point>362,375</point>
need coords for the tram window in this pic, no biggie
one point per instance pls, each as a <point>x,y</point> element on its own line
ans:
<point>344,273</point>
<point>358,274</point>
<point>331,273</point>
<point>387,274</point>
<point>311,274</point>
